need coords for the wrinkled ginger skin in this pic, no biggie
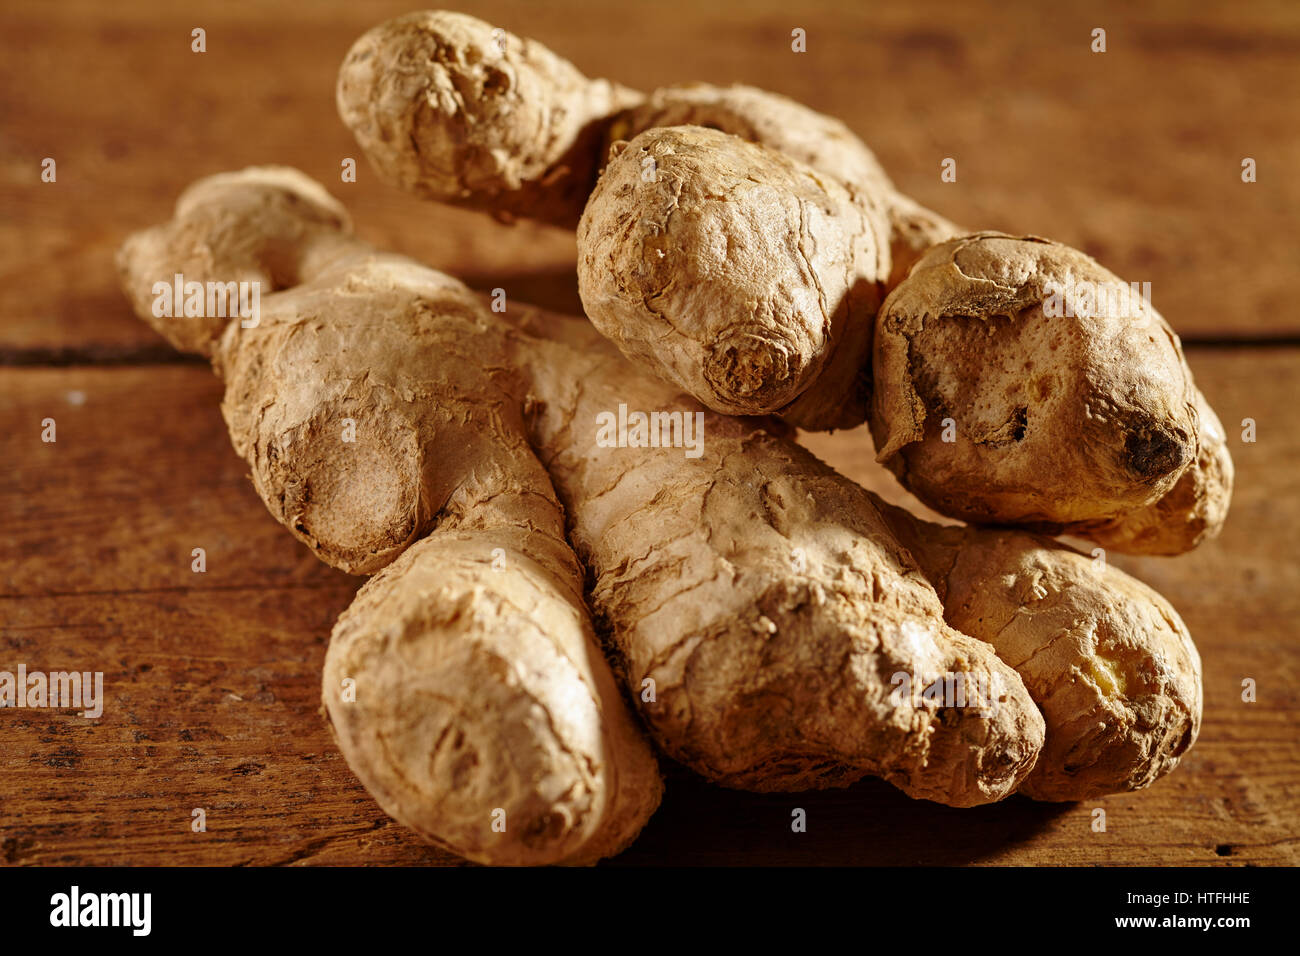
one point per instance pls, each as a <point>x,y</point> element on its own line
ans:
<point>818,141</point>
<point>289,397</point>
<point>1061,424</point>
<point>1106,658</point>
<point>452,109</point>
<point>736,273</point>
<point>481,692</point>
<point>266,224</point>
<point>770,607</point>
<point>449,108</point>
<point>770,602</point>
<point>766,119</point>
<point>477,687</point>
<point>734,635</point>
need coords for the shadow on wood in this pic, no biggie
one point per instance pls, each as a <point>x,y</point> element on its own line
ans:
<point>868,824</point>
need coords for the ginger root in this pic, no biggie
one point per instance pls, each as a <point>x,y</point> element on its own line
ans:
<point>761,607</point>
<point>767,600</point>
<point>757,116</point>
<point>1193,511</point>
<point>769,677</point>
<point>820,142</point>
<point>479,685</point>
<point>737,244</point>
<point>452,109</point>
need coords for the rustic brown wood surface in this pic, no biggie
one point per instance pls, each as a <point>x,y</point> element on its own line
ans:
<point>212,679</point>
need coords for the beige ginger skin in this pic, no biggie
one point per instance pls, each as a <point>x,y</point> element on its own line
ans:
<point>771,604</point>
<point>1191,512</point>
<point>769,599</point>
<point>436,377</point>
<point>679,216</point>
<point>1105,657</point>
<point>449,108</point>
<point>820,142</point>
<point>452,109</point>
<point>479,684</point>
<point>748,285</point>
<point>992,410</point>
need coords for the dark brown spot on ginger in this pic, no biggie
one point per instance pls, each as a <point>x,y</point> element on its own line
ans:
<point>1151,453</point>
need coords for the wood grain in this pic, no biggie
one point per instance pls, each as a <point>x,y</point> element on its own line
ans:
<point>1132,155</point>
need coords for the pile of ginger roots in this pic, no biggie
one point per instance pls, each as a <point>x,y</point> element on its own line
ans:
<point>547,610</point>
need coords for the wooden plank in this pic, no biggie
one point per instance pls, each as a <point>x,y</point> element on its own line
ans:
<point>1133,155</point>
<point>212,679</point>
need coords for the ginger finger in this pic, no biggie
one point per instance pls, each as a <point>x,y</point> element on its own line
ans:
<point>764,598</point>
<point>992,409</point>
<point>451,109</point>
<point>737,274</point>
<point>1107,659</point>
<point>817,141</point>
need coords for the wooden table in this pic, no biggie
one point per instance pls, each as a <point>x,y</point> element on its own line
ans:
<point>1133,155</point>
